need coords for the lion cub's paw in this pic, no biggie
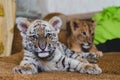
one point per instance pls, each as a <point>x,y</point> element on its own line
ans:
<point>99,53</point>
<point>92,58</point>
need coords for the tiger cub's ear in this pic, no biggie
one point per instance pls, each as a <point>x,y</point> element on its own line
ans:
<point>22,25</point>
<point>56,23</point>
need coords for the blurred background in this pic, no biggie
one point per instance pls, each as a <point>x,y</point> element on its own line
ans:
<point>43,7</point>
<point>10,40</point>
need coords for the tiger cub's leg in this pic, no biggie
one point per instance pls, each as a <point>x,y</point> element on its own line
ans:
<point>91,57</point>
<point>28,65</point>
<point>87,68</point>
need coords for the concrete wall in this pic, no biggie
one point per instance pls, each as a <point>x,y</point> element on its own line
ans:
<point>43,7</point>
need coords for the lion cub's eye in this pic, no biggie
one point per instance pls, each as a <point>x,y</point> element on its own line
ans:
<point>92,34</point>
<point>84,33</point>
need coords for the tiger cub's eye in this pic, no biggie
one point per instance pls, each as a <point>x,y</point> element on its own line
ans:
<point>48,35</point>
<point>44,25</point>
<point>33,37</point>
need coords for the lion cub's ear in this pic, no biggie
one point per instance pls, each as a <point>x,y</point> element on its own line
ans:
<point>56,22</point>
<point>73,25</point>
<point>22,25</point>
<point>93,23</point>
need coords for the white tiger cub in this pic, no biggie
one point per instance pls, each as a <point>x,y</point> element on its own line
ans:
<point>43,51</point>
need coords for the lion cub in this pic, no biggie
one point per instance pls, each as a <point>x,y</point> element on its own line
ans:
<point>77,35</point>
<point>80,35</point>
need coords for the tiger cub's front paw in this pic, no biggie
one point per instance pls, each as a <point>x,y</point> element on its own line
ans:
<point>91,69</point>
<point>23,70</point>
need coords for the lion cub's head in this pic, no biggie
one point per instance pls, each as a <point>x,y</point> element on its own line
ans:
<point>81,34</point>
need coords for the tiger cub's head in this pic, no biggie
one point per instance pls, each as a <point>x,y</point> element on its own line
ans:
<point>39,37</point>
<point>81,33</point>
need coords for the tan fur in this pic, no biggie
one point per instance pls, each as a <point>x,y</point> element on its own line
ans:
<point>77,28</point>
<point>72,36</point>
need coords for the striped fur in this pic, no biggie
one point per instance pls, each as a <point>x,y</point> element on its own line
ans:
<point>78,35</point>
<point>43,51</point>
